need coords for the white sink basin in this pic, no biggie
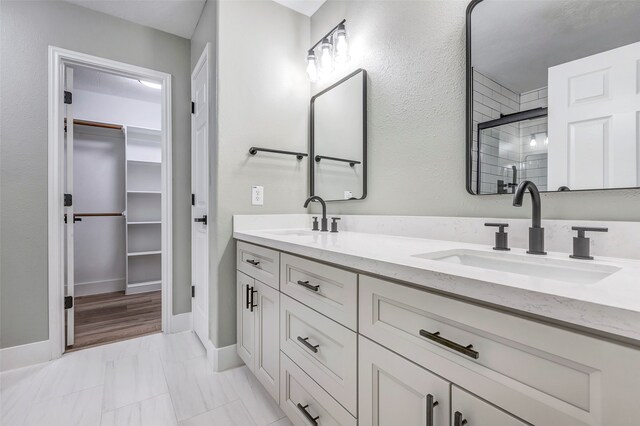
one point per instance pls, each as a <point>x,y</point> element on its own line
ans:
<point>529,265</point>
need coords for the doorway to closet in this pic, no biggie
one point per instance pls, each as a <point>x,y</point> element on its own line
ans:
<point>113,147</point>
<point>116,164</point>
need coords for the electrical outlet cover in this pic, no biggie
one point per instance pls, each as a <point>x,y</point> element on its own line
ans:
<point>257,195</point>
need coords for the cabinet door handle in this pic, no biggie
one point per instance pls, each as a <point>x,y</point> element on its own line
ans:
<point>458,420</point>
<point>305,341</point>
<point>253,262</point>
<point>430,405</point>
<point>465,350</point>
<point>312,420</point>
<point>306,284</point>
<point>251,306</point>
<point>247,295</point>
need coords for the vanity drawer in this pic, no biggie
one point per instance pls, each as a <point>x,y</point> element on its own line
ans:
<point>324,349</point>
<point>258,262</point>
<point>331,291</point>
<point>541,373</point>
<point>304,401</point>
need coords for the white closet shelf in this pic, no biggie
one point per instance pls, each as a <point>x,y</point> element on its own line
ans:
<point>144,253</point>
<point>148,222</point>
<point>145,192</point>
<point>143,283</point>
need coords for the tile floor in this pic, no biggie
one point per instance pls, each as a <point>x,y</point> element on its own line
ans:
<point>155,380</point>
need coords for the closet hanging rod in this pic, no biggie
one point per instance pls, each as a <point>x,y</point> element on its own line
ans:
<point>299,155</point>
<point>95,124</point>
<point>343,160</point>
<point>97,214</point>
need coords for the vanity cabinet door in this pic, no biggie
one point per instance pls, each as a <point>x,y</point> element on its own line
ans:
<point>395,391</point>
<point>245,319</point>
<point>476,412</point>
<point>267,337</point>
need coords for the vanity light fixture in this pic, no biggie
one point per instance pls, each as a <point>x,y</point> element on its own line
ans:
<point>151,84</point>
<point>333,50</point>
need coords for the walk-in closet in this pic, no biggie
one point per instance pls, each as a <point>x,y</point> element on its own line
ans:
<point>114,151</point>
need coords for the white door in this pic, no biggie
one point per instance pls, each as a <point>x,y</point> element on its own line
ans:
<point>69,249</point>
<point>594,105</point>
<point>267,343</point>
<point>246,324</point>
<point>395,391</point>
<point>200,197</point>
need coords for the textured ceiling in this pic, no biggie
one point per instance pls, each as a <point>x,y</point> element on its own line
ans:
<point>102,82</point>
<point>306,7</point>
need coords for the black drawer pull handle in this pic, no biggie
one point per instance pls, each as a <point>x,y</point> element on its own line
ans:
<point>251,306</point>
<point>465,350</point>
<point>306,284</point>
<point>253,262</point>
<point>312,420</point>
<point>247,295</point>
<point>430,405</point>
<point>309,346</point>
<point>458,420</point>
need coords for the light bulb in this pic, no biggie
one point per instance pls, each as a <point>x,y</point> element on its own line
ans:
<point>342,45</point>
<point>326,59</point>
<point>533,141</point>
<point>151,84</point>
<point>546,140</point>
<point>312,66</point>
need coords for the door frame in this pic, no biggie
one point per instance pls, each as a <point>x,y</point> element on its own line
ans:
<point>205,57</point>
<point>57,58</point>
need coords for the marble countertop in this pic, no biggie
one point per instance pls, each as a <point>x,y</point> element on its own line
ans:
<point>611,305</point>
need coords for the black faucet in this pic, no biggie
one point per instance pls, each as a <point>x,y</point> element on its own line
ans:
<point>324,224</point>
<point>536,232</point>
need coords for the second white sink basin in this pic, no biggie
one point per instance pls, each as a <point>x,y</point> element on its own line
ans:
<point>529,265</point>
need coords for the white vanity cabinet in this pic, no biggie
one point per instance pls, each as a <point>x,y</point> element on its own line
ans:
<point>258,314</point>
<point>339,347</point>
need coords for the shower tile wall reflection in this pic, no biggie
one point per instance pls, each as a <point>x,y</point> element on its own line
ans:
<point>512,152</point>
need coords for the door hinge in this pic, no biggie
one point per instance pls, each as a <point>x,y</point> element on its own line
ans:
<point>193,199</point>
<point>68,97</point>
<point>193,107</point>
<point>193,291</point>
<point>68,302</point>
<point>68,200</point>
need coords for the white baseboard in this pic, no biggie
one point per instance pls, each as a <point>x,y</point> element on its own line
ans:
<point>24,355</point>
<point>221,359</point>
<point>181,322</point>
<point>99,287</point>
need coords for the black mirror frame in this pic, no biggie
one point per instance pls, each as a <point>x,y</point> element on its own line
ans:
<point>312,154</point>
<point>469,101</point>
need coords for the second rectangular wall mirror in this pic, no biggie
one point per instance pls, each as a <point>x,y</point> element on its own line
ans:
<point>553,95</point>
<point>338,139</point>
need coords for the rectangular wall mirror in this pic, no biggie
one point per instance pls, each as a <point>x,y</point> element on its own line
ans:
<point>338,139</point>
<point>553,95</point>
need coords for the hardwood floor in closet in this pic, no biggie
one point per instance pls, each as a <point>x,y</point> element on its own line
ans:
<point>110,317</point>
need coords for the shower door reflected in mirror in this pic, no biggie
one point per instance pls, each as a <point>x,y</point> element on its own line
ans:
<point>338,139</point>
<point>553,95</point>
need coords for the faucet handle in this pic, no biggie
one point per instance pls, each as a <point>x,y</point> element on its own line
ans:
<point>315,224</point>
<point>502,238</point>
<point>334,224</point>
<point>581,244</point>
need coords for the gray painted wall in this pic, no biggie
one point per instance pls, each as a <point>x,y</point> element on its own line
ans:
<point>263,101</point>
<point>414,53</point>
<point>27,29</point>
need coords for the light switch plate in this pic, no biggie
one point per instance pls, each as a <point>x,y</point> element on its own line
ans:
<point>257,195</point>
<point>348,195</point>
